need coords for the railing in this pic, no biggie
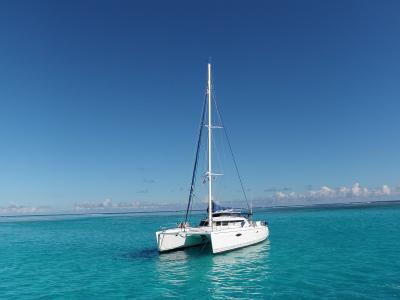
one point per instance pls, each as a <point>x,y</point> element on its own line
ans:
<point>174,225</point>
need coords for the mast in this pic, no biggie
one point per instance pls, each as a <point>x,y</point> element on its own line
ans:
<point>209,148</point>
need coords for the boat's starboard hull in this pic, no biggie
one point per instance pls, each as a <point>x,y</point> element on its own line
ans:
<point>226,240</point>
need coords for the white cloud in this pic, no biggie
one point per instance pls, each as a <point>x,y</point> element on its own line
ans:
<point>281,195</point>
<point>343,191</point>
<point>357,190</point>
<point>323,192</point>
<point>107,202</point>
<point>384,190</point>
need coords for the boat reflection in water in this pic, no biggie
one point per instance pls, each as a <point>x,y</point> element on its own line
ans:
<point>240,274</point>
<point>235,274</point>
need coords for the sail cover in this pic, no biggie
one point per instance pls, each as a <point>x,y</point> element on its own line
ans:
<point>217,208</point>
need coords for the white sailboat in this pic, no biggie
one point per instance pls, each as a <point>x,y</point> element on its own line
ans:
<point>224,228</point>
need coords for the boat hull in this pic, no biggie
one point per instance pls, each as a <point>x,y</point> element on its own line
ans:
<point>226,240</point>
<point>221,240</point>
<point>175,239</point>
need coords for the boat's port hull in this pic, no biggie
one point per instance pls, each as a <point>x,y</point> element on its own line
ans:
<point>175,239</point>
<point>221,240</point>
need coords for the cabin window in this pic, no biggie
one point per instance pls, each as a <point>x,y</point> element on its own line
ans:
<point>224,223</point>
<point>218,223</point>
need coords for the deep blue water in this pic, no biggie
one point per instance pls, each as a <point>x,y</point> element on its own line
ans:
<point>311,254</point>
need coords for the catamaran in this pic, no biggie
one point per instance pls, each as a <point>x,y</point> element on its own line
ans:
<point>225,228</point>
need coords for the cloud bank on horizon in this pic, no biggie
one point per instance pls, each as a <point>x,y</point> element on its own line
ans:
<point>343,192</point>
<point>21,209</point>
<point>286,197</point>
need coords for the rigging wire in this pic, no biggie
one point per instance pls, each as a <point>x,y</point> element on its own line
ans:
<point>192,185</point>
<point>233,156</point>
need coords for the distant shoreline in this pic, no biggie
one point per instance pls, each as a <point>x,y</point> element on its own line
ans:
<point>259,208</point>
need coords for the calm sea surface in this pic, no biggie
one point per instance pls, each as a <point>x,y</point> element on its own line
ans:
<point>311,254</point>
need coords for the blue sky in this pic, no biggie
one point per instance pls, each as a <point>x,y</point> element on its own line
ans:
<point>101,99</point>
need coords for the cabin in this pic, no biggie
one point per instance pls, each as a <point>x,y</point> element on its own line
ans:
<point>226,219</point>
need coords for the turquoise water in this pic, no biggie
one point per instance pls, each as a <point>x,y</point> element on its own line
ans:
<point>311,254</point>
